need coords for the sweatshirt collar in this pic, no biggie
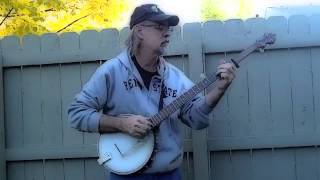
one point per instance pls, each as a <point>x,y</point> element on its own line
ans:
<point>126,60</point>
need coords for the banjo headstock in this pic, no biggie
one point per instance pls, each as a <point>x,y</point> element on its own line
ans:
<point>267,39</point>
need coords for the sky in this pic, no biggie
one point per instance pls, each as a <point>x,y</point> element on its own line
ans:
<point>189,10</point>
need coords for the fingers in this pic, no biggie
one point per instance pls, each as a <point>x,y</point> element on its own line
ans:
<point>226,70</point>
<point>222,61</point>
<point>226,74</point>
<point>143,126</point>
<point>146,124</point>
<point>229,66</point>
<point>136,125</point>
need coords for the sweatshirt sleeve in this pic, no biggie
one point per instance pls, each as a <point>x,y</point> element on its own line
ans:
<point>195,114</point>
<point>83,112</point>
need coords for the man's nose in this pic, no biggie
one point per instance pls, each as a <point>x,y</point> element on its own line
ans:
<point>166,34</point>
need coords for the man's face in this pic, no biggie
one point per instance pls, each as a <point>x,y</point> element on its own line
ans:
<point>155,36</point>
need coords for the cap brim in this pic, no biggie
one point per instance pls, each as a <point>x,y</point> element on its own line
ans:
<point>171,19</point>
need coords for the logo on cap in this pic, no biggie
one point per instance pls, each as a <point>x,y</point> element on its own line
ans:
<point>154,9</point>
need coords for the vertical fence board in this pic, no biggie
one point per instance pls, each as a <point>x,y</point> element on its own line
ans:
<point>94,171</point>
<point>74,169</point>
<point>2,123</point>
<point>53,170</point>
<point>221,166</point>
<point>91,45</point>
<point>51,105</point>
<point>50,47</point>
<point>259,94</point>
<point>34,170</point>
<point>123,36</point>
<point>89,42</point>
<point>188,167</point>
<point>234,27</point>
<point>235,34</point>
<point>262,163</point>
<point>220,117</point>
<point>299,25</point>
<point>306,163</point>
<point>277,25</point>
<point>258,81</point>
<point>256,26</point>
<point>181,62</point>
<point>11,49</point>
<point>280,92</point>
<point>317,157</point>
<point>13,107</point>
<point>283,164</point>
<point>242,165</point>
<point>301,83</point>
<point>212,31</point>
<point>192,35</point>
<point>110,43</point>
<point>30,49</point>
<point>70,85</point>
<point>315,24</point>
<point>315,56</point>
<point>240,123</point>
<point>15,171</point>
<point>31,103</point>
<point>69,46</point>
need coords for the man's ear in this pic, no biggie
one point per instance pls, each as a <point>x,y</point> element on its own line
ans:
<point>139,32</point>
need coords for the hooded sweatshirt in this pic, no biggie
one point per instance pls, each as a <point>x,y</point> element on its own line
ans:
<point>117,88</point>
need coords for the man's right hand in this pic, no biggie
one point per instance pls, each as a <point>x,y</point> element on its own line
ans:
<point>135,125</point>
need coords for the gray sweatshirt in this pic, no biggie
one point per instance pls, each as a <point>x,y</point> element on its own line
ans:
<point>117,88</point>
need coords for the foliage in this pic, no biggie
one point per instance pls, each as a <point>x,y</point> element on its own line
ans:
<point>20,17</point>
<point>226,9</point>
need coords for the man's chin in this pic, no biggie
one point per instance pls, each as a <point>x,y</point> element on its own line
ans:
<point>160,51</point>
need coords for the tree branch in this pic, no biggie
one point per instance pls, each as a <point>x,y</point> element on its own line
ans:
<point>19,15</point>
<point>48,10</point>
<point>6,16</point>
<point>72,23</point>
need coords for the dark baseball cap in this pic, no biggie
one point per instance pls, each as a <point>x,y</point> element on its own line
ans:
<point>152,13</point>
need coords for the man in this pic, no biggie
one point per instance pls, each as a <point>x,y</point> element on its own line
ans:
<point>128,90</point>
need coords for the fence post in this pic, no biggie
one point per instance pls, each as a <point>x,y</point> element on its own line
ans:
<point>2,138</point>
<point>193,37</point>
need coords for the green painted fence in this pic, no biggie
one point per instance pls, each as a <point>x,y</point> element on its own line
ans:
<point>267,126</point>
<point>2,134</point>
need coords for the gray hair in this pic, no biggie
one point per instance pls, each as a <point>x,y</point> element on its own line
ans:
<point>133,42</point>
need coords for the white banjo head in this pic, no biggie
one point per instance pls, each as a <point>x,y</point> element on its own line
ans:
<point>123,154</point>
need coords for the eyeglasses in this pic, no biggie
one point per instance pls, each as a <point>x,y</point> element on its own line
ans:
<point>159,27</point>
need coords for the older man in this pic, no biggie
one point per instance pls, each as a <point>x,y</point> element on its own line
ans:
<point>128,90</point>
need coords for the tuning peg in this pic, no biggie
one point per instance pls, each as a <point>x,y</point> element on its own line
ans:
<point>261,50</point>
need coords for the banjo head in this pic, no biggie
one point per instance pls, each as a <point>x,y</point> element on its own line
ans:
<point>124,154</point>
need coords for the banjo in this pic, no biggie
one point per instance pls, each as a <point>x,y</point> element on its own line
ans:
<point>124,154</point>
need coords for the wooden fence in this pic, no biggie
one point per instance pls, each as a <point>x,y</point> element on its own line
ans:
<point>267,126</point>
